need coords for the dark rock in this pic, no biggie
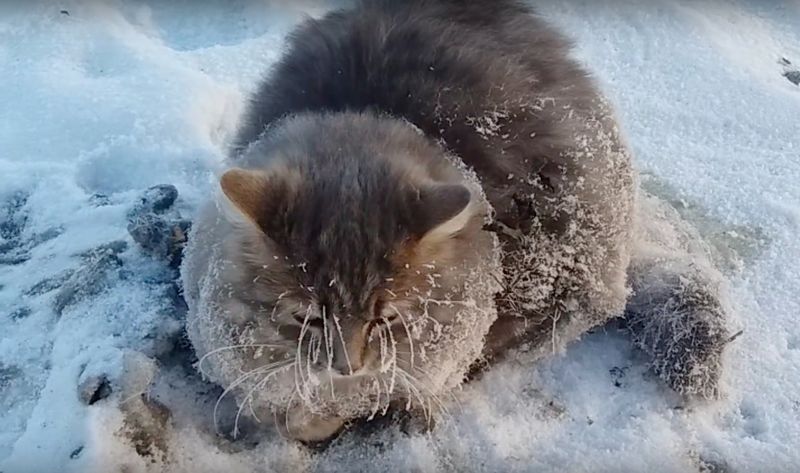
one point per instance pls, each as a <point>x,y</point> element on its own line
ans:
<point>46,236</point>
<point>93,389</point>
<point>707,465</point>
<point>176,300</point>
<point>11,225</point>
<point>14,258</point>
<point>13,252</point>
<point>179,237</point>
<point>8,246</point>
<point>89,280</point>
<point>111,248</point>
<point>8,374</point>
<point>160,233</point>
<point>99,200</point>
<point>49,284</point>
<point>151,232</point>
<point>156,199</point>
<point>12,216</point>
<point>792,76</point>
<point>161,238</point>
<point>618,374</point>
<point>20,313</point>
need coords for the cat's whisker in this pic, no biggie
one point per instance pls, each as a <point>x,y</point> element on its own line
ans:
<point>235,384</point>
<point>394,354</point>
<point>383,350</point>
<point>344,345</point>
<point>430,379</point>
<point>308,356</point>
<point>432,397</point>
<point>408,332</point>
<point>249,398</point>
<point>386,404</point>
<point>328,336</point>
<point>234,347</point>
<point>301,391</point>
<point>450,302</point>
<point>316,343</point>
<point>309,373</point>
<point>449,392</point>
<point>288,410</point>
<point>414,391</point>
<point>376,407</point>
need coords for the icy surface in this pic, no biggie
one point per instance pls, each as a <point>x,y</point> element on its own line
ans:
<point>102,100</point>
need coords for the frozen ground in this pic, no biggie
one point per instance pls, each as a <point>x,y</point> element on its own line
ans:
<point>101,100</point>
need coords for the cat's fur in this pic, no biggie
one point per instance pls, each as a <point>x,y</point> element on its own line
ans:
<point>356,221</point>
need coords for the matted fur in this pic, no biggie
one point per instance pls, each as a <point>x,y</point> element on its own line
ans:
<point>243,287</point>
<point>368,107</point>
<point>497,87</point>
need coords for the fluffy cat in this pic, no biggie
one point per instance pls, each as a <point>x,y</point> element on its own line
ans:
<point>417,187</point>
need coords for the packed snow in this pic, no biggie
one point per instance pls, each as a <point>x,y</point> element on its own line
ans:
<point>104,99</point>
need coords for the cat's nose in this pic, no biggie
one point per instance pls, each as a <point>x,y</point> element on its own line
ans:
<point>348,353</point>
<point>341,366</point>
<point>349,360</point>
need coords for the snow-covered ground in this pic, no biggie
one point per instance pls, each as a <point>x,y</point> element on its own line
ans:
<point>101,100</point>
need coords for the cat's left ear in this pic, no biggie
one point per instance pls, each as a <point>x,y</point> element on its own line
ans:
<point>442,210</point>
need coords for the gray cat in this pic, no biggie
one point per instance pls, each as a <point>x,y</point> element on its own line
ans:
<point>417,188</point>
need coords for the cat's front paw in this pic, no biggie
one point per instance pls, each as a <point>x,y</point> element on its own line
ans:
<point>679,319</point>
<point>298,423</point>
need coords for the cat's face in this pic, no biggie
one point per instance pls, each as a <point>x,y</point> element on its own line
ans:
<point>357,272</point>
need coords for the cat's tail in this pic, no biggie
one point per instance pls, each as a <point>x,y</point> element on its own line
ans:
<point>677,312</point>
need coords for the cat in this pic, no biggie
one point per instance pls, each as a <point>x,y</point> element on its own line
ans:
<point>417,187</point>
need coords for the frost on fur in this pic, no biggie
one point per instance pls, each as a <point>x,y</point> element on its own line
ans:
<point>677,312</point>
<point>677,318</point>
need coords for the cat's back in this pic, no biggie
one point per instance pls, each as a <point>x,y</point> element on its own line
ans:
<point>490,80</point>
<point>441,64</point>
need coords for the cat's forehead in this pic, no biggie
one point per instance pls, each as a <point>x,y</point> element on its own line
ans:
<point>347,266</point>
<point>341,294</point>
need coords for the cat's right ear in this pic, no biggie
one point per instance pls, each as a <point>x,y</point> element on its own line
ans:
<point>247,191</point>
<point>257,195</point>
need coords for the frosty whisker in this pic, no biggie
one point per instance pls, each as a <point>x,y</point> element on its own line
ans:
<point>394,354</point>
<point>248,400</point>
<point>432,397</point>
<point>344,345</point>
<point>408,332</point>
<point>328,336</point>
<point>233,347</point>
<point>377,384</point>
<point>302,392</point>
<point>414,391</point>
<point>236,383</point>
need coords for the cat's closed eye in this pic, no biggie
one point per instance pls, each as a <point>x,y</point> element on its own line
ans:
<point>383,321</point>
<point>381,315</point>
<point>311,321</point>
<point>377,308</point>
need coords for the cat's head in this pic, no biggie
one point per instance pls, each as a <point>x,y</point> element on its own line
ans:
<point>360,249</point>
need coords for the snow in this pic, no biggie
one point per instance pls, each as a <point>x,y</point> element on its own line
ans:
<point>107,98</point>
